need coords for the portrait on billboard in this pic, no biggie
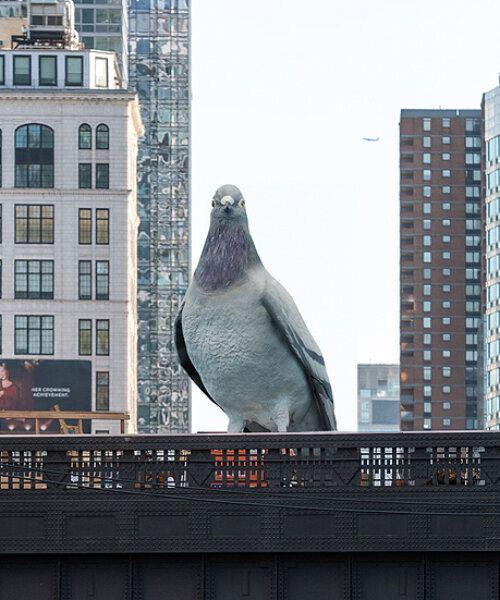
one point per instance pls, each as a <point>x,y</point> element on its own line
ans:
<point>39,385</point>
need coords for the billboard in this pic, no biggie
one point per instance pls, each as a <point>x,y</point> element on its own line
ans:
<point>41,385</point>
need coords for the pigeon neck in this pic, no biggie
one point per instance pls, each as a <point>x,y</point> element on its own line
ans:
<point>228,254</point>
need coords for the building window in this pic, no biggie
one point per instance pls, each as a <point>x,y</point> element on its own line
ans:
<point>102,137</point>
<point>446,304</point>
<point>427,373</point>
<point>445,139</point>
<point>446,422</point>
<point>426,141</point>
<point>101,72</point>
<point>427,223</point>
<point>427,289</point>
<point>446,337</point>
<point>445,122</point>
<point>426,158</point>
<point>85,337</point>
<point>446,239</point>
<point>427,339</point>
<point>47,68</point>
<point>22,70</point>
<point>445,156</point>
<point>427,257</point>
<point>427,273</point>
<point>446,255</point>
<point>84,175</point>
<point>102,390</point>
<point>74,70</point>
<point>446,353</point>
<point>102,176</point>
<point>102,226</point>
<point>446,371</point>
<point>2,69</point>
<point>34,224</point>
<point>426,124</point>
<point>427,191</point>
<point>102,337</point>
<point>102,280</point>
<point>427,174</point>
<point>446,320</point>
<point>446,222</point>
<point>426,306</point>
<point>427,322</point>
<point>427,240</point>
<point>446,288</point>
<point>85,280</point>
<point>446,189</point>
<point>85,226</point>
<point>34,156</point>
<point>446,206</point>
<point>34,279</point>
<point>446,173</point>
<point>84,137</point>
<point>427,208</point>
<point>33,334</point>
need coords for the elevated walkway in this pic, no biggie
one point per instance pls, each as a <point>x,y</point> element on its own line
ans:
<point>352,514</point>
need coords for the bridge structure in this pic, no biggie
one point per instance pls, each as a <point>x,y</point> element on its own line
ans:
<point>403,516</point>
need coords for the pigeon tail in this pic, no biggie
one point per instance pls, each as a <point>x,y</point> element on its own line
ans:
<point>228,254</point>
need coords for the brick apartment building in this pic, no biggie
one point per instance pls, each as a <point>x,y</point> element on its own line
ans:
<point>440,284</point>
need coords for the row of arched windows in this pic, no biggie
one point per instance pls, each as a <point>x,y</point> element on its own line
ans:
<point>101,137</point>
<point>34,152</point>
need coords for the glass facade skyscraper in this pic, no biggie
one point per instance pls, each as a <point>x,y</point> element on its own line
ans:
<point>103,25</point>
<point>159,72</point>
<point>491,208</point>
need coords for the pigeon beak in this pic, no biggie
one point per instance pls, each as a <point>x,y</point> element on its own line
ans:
<point>227,202</point>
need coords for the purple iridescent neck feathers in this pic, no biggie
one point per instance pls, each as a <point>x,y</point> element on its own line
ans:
<point>228,254</point>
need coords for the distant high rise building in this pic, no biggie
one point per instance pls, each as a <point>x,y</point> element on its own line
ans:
<point>491,241</point>
<point>103,24</point>
<point>440,248</point>
<point>378,397</point>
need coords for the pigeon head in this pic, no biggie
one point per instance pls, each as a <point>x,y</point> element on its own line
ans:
<point>228,205</point>
<point>229,251</point>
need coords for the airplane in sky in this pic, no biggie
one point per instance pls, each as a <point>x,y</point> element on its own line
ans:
<point>371,139</point>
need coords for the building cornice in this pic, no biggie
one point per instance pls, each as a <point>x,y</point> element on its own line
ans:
<point>54,94</point>
<point>62,192</point>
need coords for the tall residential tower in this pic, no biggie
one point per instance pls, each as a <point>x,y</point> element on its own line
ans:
<point>440,283</point>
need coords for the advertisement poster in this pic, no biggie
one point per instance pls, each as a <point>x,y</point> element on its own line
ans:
<point>41,385</point>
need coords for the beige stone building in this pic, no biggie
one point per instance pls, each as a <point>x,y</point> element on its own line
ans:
<point>68,146</point>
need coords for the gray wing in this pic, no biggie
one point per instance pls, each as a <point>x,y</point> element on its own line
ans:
<point>183,355</point>
<point>287,320</point>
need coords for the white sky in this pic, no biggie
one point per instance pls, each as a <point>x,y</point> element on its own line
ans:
<point>283,92</point>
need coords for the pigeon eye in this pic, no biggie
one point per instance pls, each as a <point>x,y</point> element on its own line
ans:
<point>213,202</point>
<point>242,204</point>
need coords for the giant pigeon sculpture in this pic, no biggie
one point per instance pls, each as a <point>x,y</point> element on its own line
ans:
<point>240,336</point>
